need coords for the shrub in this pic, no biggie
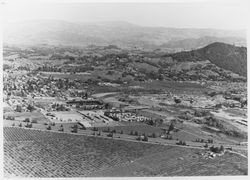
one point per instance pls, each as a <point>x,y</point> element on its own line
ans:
<point>34,121</point>
<point>113,131</point>
<point>210,141</point>
<point>110,135</point>
<point>28,125</point>
<point>145,138</point>
<point>138,138</point>
<point>171,128</point>
<point>183,143</point>
<point>217,149</point>
<point>177,101</point>
<point>95,129</point>
<point>26,120</point>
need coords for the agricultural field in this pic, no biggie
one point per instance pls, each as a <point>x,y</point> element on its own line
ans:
<point>38,117</point>
<point>36,153</point>
<point>172,86</point>
<point>175,162</point>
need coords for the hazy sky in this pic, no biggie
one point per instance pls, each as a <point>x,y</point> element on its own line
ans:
<point>181,15</point>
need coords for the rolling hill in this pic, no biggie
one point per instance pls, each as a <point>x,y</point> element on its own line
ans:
<point>223,55</point>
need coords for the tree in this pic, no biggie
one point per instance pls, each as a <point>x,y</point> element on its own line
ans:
<point>210,140</point>
<point>74,130</point>
<point>221,148</point>
<point>61,128</point>
<point>28,125</point>
<point>26,120</point>
<point>30,108</point>
<point>171,127</point>
<point>145,138</point>
<point>150,122</point>
<point>215,149</point>
<point>153,135</point>
<point>161,71</point>
<point>107,106</point>
<point>177,101</point>
<point>138,138</point>
<point>49,128</point>
<point>34,121</point>
<point>160,77</point>
<point>95,129</point>
<point>110,135</point>
<point>182,143</point>
<point>18,108</point>
<point>113,131</point>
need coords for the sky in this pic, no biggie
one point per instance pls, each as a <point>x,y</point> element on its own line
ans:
<point>221,15</point>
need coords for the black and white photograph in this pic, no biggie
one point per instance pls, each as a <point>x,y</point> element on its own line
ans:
<point>107,89</point>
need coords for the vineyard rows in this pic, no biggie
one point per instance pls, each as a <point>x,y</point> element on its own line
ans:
<point>34,153</point>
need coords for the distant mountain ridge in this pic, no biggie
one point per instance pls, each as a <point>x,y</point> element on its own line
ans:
<point>118,33</point>
<point>223,55</point>
<point>194,43</point>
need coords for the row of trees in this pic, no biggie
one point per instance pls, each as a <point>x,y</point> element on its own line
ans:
<point>183,143</point>
<point>203,140</point>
